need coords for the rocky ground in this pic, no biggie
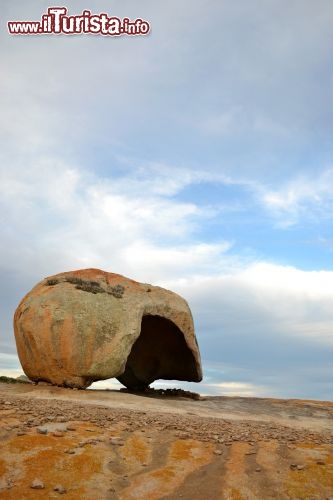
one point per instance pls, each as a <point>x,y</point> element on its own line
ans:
<point>117,445</point>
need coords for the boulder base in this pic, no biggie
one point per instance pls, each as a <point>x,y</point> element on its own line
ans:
<point>77,327</point>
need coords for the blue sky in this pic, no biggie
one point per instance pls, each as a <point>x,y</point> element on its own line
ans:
<point>199,158</point>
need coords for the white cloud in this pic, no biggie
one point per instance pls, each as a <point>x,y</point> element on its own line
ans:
<point>111,384</point>
<point>302,197</point>
<point>263,299</point>
<point>73,218</point>
<point>9,365</point>
<point>288,279</point>
<point>177,261</point>
<point>240,389</point>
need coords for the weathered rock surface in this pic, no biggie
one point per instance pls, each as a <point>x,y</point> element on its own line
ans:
<point>119,445</point>
<point>77,327</point>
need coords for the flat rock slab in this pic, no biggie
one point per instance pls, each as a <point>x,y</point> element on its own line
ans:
<point>126,446</point>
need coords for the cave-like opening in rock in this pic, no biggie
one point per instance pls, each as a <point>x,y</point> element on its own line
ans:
<point>160,352</point>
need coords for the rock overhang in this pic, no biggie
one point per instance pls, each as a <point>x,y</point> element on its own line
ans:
<point>77,327</point>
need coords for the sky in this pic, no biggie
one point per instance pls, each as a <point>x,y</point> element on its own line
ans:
<point>199,158</point>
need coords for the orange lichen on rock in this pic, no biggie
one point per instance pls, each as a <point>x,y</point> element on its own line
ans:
<point>44,457</point>
<point>3,467</point>
<point>136,451</point>
<point>235,477</point>
<point>97,444</point>
<point>316,475</point>
<point>77,327</point>
<point>184,457</point>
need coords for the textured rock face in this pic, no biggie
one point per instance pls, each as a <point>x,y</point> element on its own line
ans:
<point>77,327</point>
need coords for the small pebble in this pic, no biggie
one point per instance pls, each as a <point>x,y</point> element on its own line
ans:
<point>37,484</point>
<point>116,441</point>
<point>60,489</point>
<point>41,430</point>
<point>9,484</point>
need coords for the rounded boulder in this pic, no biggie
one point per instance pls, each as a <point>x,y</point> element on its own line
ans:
<point>77,327</point>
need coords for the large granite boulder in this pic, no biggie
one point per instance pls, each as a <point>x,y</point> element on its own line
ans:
<point>77,327</point>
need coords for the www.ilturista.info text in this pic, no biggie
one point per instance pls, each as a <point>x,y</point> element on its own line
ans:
<point>57,22</point>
